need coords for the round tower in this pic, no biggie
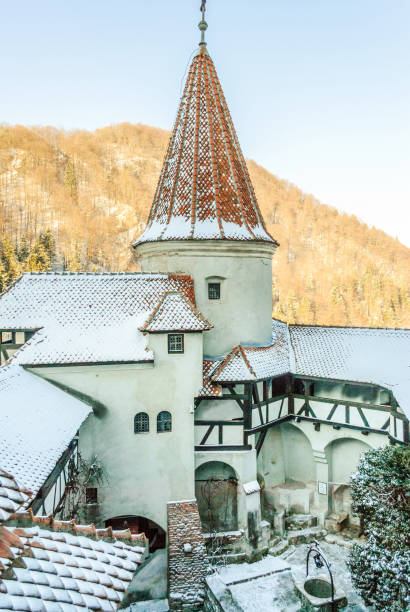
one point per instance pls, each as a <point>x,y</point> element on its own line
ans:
<point>205,220</point>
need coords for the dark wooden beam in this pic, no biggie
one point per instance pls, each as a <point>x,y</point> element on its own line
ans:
<point>223,447</point>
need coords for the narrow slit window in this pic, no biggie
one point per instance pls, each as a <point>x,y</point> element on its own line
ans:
<point>141,422</point>
<point>164,421</point>
<point>214,291</point>
<point>175,343</point>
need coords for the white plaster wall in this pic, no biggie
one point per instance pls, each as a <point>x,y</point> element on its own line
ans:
<point>343,456</point>
<point>219,410</point>
<point>145,471</point>
<point>244,313</point>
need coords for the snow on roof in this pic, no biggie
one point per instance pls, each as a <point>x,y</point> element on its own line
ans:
<point>12,497</point>
<point>367,355</point>
<point>31,408</point>
<point>67,567</point>
<point>86,318</point>
<point>209,388</point>
<point>247,363</point>
<point>175,312</point>
<point>204,190</point>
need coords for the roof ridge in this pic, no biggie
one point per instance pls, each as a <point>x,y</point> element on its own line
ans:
<point>70,526</point>
<point>185,299</point>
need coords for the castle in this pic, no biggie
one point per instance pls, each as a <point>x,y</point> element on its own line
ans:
<point>178,380</point>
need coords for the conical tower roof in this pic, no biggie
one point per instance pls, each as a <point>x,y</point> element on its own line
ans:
<point>204,190</point>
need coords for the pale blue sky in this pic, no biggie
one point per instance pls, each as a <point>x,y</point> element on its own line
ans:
<point>319,90</point>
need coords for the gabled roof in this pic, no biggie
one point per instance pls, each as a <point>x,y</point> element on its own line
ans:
<point>56,565</point>
<point>12,497</point>
<point>86,318</point>
<point>209,388</point>
<point>204,190</point>
<point>248,363</point>
<point>31,408</point>
<point>175,312</point>
<point>365,355</point>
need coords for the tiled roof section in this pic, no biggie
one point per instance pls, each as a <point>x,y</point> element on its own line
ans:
<point>175,312</point>
<point>86,318</point>
<point>12,497</point>
<point>31,408</point>
<point>209,389</point>
<point>62,569</point>
<point>368,355</point>
<point>246,363</point>
<point>204,190</point>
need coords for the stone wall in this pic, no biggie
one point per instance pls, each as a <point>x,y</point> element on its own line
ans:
<point>187,560</point>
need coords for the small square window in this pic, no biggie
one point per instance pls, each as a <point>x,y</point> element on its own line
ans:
<point>91,495</point>
<point>175,343</point>
<point>214,291</point>
<point>7,337</point>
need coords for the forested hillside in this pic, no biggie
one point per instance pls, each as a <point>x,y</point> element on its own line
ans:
<point>76,201</point>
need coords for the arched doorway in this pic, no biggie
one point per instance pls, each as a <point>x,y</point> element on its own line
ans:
<point>140,524</point>
<point>216,492</point>
<point>343,456</point>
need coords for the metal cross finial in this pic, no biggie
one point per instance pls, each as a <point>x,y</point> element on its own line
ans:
<point>202,24</point>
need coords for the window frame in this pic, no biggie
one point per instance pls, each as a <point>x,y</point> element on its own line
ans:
<point>91,495</point>
<point>162,422</point>
<point>145,424</point>
<point>214,285</point>
<point>170,340</point>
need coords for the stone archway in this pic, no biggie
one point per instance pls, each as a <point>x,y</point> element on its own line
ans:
<point>140,524</point>
<point>216,486</point>
<point>343,456</point>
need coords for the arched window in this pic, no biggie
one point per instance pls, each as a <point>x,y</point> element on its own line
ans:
<point>141,422</point>
<point>164,421</point>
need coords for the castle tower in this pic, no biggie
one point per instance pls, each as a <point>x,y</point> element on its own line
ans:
<point>205,219</point>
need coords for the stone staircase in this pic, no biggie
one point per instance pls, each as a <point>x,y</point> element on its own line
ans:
<point>300,529</point>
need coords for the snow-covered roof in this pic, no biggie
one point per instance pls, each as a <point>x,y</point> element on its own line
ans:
<point>67,567</point>
<point>175,312</point>
<point>209,388</point>
<point>31,408</point>
<point>247,363</point>
<point>12,497</point>
<point>86,318</point>
<point>365,355</point>
<point>368,355</point>
<point>204,190</point>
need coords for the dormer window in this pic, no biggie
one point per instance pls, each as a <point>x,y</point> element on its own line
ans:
<point>175,343</point>
<point>214,291</point>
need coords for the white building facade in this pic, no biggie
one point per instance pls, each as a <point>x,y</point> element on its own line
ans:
<point>184,385</point>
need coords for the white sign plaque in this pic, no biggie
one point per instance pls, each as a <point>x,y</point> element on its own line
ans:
<point>322,487</point>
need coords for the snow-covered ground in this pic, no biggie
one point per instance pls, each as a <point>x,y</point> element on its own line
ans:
<point>267,586</point>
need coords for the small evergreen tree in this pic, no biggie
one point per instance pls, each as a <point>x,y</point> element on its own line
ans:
<point>23,250</point>
<point>381,494</point>
<point>47,240</point>
<point>38,260</point>
<point>11,265</point>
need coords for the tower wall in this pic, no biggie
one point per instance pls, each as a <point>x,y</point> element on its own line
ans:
<point>243,314</point>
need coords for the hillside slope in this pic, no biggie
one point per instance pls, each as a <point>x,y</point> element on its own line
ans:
<point>93,190</point>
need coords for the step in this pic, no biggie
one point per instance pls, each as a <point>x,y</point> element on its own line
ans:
<point>295,522</point>
<point>279,548</point>
<point>227,559</point>
<point>305,536</point>
<point>288,553</point>
<point>275,540</point>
